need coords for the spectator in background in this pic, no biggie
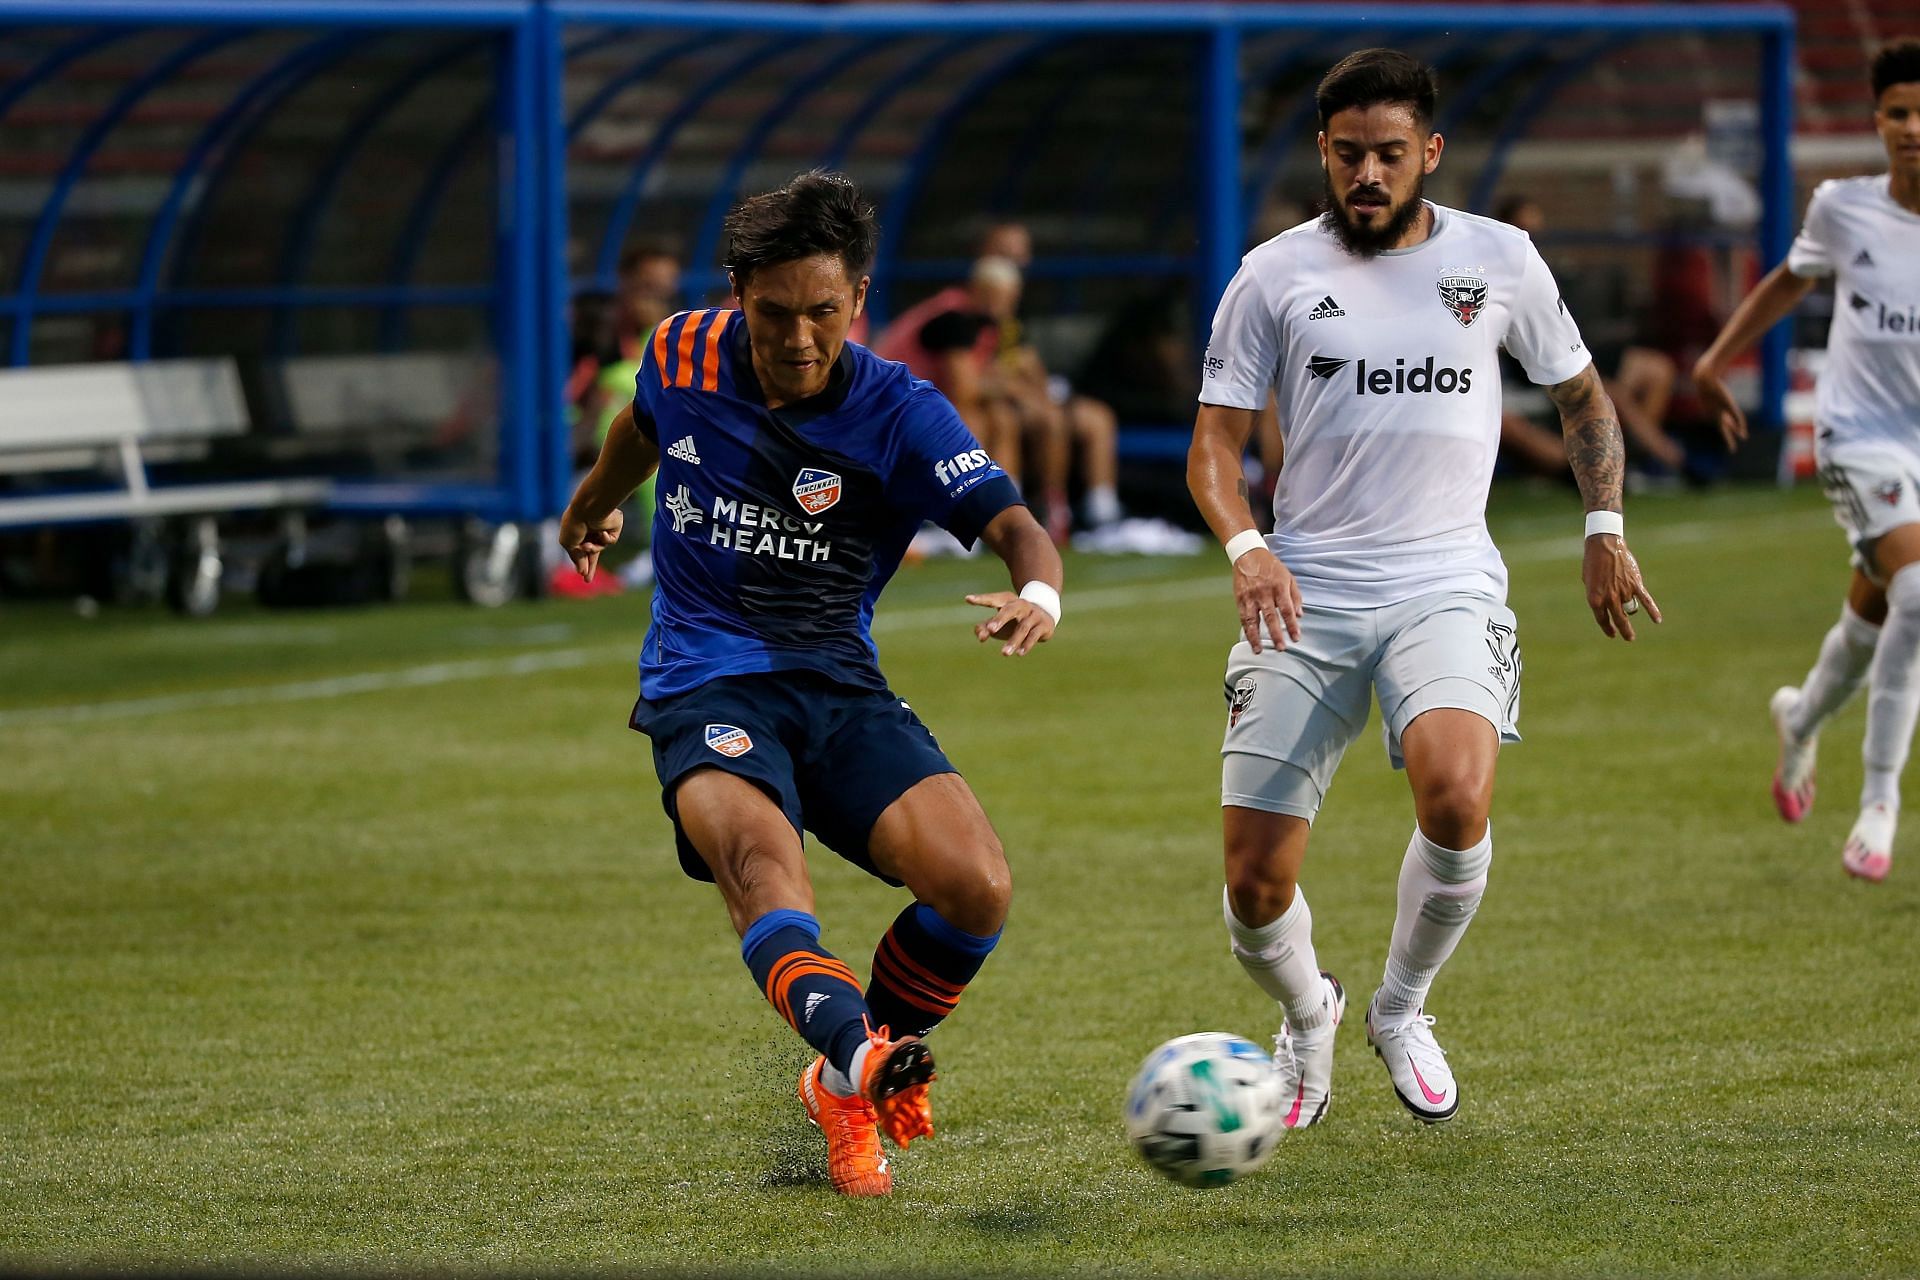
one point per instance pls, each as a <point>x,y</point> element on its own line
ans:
<point>1054,419</point>
<point>1639,377</point>
<point>648,292</point>
<point>951,339</point>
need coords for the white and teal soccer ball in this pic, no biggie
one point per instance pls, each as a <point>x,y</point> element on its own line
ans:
<point>1206,1109</point>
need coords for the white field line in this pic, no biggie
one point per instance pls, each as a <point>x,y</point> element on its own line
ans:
<point>1137,595</point>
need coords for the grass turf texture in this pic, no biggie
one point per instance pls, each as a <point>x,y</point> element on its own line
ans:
<point>376,975</point>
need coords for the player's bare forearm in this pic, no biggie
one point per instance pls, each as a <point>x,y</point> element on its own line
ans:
<point>1026,616</point>
<point>626,459</point>
<point>1595,448</point>
<point>1029,554</point>
<point>1771,301</point>
<point>1264,592</point>
<point>1215,475</point>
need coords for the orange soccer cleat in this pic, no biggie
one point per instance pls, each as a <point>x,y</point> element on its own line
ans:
<point>895,1083</point>
<point>856,1166</point>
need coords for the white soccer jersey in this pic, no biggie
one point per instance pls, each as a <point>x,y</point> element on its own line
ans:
<point>1870,389</point>
<point>1386,374</point>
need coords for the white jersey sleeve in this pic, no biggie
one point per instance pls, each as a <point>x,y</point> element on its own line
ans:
<point>1244,351</point>
<point>1811,256</point>
<point>1541,334</point>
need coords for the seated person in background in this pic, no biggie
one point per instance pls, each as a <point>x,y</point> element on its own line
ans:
<point>1054,418</point>
<point>1641,383</point>
<point>950,339</point>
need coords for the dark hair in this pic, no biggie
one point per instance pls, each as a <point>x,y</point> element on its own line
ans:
<point>1373,76</point>
<point>639,253</point>
<point>1510,206</point>
<point>818,212</point>
<point>1896,63</point>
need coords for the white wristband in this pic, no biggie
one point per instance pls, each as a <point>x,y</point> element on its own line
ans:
<point>1605,522</point>
<point>1044,597</point>
<point>1241,543</point>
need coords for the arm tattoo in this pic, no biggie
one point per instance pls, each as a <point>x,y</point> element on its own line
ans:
<point>1595,449</point>
<point>1242,489</point>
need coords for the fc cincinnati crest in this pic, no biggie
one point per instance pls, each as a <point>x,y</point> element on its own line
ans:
<point>816,490</point>
<point>729,740</point>
<point>1465,294</point>
<point>1239,698</point>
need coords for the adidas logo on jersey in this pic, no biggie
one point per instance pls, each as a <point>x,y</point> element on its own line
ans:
<point>683,449</point>
<point>1863,259</point>
<point>1325,309</point>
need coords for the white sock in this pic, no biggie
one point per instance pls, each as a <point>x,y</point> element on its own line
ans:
<point>1893,692</point>
<point>1841,668</point>
<point>1103,505</point>
<point>840,1083</point>
<point>1440,889</point>
<point>1279,958</point>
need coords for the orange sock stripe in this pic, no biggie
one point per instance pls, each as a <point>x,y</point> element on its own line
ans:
<point>776,974</point>
<point>932,981</point>
<point>660,348</point>
<point>783,998</point>
<point>710,367</point>
<point>683,367</point>
<point>915,993</point>
<point>801,964</point>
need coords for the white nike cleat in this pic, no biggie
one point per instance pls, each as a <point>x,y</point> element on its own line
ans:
<point>1869,849</point>
<point>1304,1060</point>
<point>1416,1064</point>
<point>1793,776</point>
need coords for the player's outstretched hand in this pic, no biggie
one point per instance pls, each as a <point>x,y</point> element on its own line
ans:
<point>1021,623</point>
<point>1614,587</point>
<point>1265,591</point>
<point>584,540</point>
<point>1719,400</point>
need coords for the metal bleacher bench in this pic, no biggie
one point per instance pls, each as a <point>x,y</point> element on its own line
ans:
<point>118,418</point>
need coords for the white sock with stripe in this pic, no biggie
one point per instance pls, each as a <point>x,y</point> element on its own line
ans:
<point>1440,889</point>
<point>1893,692</point>
<point>1846,654</point>
<point>1279,958</point>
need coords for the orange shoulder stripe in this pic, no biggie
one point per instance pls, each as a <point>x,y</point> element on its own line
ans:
<point>683,365</point>
<point>710,367</point>
<point>660,348</point>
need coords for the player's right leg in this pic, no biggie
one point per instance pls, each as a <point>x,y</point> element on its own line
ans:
<point>755,856</point>
<point>1798,712</point>
<point>1291,714</point>
<point>1893,704</point>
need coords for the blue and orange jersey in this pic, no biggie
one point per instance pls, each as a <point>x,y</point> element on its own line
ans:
<point>775,530</point>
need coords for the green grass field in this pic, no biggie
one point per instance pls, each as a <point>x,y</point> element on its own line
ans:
<point>356,939</point>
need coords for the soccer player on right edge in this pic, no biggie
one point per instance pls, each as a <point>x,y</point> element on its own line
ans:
<point>1864,232</point>
<point>1377,328</point>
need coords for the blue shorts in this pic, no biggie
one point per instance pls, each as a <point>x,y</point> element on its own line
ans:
<point>831,756</point>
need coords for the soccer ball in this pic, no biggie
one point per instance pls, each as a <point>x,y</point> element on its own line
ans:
<point>1206,1108</point>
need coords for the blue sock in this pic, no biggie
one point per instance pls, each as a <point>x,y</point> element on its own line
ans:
<point>817,995</point>
<point>920,969</point>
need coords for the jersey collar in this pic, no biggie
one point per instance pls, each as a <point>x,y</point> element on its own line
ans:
<point>839,379</point>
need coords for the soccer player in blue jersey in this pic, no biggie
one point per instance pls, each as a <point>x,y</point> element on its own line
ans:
<point>794,467</point>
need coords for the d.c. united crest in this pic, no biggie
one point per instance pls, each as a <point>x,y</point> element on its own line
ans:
<point>1239,698</point>
<point>1465,294</point>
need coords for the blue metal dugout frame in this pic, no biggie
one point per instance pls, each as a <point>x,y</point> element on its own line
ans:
<point>1227,197</point>
<point>521,489</point>
<point>530,291</point>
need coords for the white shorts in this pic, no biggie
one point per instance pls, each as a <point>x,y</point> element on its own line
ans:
<point>1292,713</point>
<point>1874,486</point>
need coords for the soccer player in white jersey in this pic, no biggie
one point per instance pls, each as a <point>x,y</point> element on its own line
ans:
<point>1377,328</point>
<point>1865,233</point>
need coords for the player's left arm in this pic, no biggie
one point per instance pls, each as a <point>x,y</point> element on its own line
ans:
<point>1598,456</point>
<point>1027,616</point>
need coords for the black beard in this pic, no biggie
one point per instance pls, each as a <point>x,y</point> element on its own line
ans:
<point>1367,242</point>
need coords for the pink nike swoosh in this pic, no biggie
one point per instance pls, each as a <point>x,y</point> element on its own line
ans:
<point>1293,1116</point>
<point>1435,1098</point>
